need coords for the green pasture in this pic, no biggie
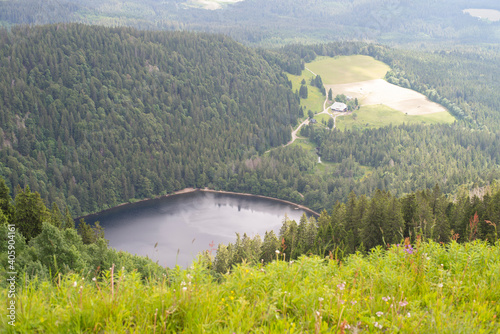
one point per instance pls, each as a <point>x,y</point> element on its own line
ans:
<point>322,118</point>
<point>347,69</point>
<point>376,116</point>
<point>314,99</point>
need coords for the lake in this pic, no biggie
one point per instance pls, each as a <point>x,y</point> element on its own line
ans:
<point>184,225</point>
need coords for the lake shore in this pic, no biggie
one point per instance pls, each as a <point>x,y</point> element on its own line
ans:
<point>207,190</point>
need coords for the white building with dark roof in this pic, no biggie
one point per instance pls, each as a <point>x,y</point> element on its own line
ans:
<point>338,106</point>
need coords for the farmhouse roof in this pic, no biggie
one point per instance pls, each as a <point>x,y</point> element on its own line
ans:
<point>338,106</point>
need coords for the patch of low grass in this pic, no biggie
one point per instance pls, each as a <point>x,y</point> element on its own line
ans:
<point>323,119</point>
<point>376,116</point>
<point>431,289</point>
<point>305,144</point>
<point>347,69</point>
<point>315,98</point>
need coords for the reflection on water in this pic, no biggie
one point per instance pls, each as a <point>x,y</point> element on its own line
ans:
<point>183,225</point>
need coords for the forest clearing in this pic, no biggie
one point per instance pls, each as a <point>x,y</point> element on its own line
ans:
<point>211,4</point>
<point>379,91</point>
<point>488,14</point>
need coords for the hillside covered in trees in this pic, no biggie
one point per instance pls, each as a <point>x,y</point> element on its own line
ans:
<point>93,116</point>
<point>264,22</point>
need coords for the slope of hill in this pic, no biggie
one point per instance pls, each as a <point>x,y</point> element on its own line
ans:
<point>92,116</point>
<point>270,22</point>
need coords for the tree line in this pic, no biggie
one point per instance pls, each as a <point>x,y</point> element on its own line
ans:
<point>363,223</point>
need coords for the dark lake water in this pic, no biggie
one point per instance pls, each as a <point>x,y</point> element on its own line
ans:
<point>186,224</point>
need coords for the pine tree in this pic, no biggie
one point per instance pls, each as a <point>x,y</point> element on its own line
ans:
<point>29,213</point>
<point>5,199</point>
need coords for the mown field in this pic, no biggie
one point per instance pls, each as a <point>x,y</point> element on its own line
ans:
<point>376,116</point>
<point>347,69</point>
<point>420,288</point>
<point>315,98</point>
<point>362,72</point>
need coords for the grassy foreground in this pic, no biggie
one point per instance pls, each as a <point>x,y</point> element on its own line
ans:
<point>430,289</point>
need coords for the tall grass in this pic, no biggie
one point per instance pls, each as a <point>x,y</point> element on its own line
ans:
<point>432,288</point>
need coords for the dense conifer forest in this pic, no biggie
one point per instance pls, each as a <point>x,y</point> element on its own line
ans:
<point>93,116</point>
<point>263,22</point>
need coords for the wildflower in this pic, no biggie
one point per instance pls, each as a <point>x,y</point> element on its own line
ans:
<point>341,286</point>
<point>320,299</point>
<point>386,299</point>
<point>347,326</point>
<point>94,279</point>
<point>408,314</point>
<point>379,326</point>
<point>379,314</point>
<point>183,283</point>
<point>75,284</point>
<point>277,251</point>
<point>184,288</point>
<point>189,277</point>
<point>440,285</point>
<point>342,301</point>
<point>353,302</point>
<point>403,303</point>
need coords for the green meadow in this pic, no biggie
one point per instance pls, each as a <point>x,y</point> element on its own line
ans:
<point>375,116</point>
<point>315,98</point>
<point>347,69</point>
<point>423,288</point>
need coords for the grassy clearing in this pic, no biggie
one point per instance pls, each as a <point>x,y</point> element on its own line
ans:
<point>348,69</point>
<point>305,144</point>
<point>314,99</point>
<point>323,118</point>
<point>433,289</point>
<point>375,116</point>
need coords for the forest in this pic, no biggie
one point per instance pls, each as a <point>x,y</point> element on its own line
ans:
<point>102,119</point>
<point>92,117</point>
<point>268,23</point>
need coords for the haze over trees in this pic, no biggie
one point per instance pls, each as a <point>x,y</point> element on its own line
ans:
<point>267,23</point>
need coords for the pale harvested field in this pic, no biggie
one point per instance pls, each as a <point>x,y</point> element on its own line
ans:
<point>379,91</point>
<point>212,4</point>
<point>489,14</point>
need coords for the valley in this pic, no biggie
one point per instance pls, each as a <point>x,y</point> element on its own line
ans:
<point>216,189</point>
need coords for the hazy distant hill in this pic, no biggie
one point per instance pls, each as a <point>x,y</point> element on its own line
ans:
<point>93,116</point>
<point>279,21</point>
